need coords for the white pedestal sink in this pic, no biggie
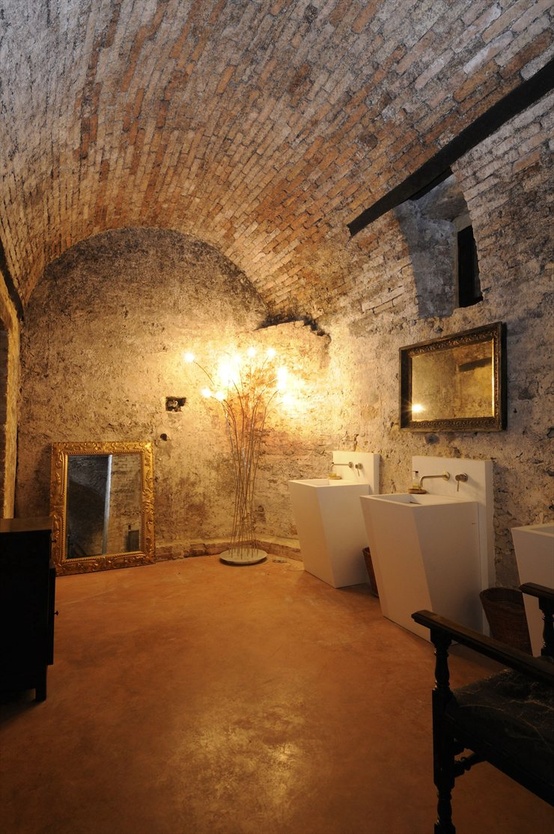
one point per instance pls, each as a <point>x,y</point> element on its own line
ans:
<point>329,519</point>
<point>534,548</point>
<point>425,554</point>
<point>330,529</point>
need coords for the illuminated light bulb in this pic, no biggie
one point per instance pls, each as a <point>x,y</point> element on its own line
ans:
<point>223,368</point>
<point>417,408</point>
<point>188,357</point>
<point>229,373</point>
<point>206,393</point>
<point>271,353</point>
<point>219,395</point>
<point>282,376</point>
<point>251,352</point>
<point>224,373</point>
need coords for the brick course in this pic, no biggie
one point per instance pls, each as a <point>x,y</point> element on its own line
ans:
<point>213,118</point>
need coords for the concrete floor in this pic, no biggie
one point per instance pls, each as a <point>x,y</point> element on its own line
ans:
<point>191,697</point>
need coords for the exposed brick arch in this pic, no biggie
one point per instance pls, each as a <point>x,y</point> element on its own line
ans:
<point>260,128</point>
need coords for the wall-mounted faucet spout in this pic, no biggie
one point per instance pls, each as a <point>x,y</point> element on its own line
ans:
<point>444,475</point>
<point>419,489</point>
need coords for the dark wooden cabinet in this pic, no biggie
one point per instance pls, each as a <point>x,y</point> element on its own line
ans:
<point>27,603</point>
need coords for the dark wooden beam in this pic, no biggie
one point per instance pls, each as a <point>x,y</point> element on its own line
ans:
<point>438,167</point>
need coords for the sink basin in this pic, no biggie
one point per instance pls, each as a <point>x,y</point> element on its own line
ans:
<point>331,529</point>
<point>425,554</point>
<point>534,548</point>
<point>426,500</point>
<point>327,482</point>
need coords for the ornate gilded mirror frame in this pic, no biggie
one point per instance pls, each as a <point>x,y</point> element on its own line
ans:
<point>455,383</point>
<point>140,545</point>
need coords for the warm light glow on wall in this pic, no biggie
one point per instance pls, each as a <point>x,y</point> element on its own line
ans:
<point>245,385</point>
<point>282,379</point>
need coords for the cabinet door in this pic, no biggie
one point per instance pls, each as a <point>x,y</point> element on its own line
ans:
<point>26,610</point>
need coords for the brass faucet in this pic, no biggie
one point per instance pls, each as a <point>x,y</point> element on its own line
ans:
<point>419,489</point>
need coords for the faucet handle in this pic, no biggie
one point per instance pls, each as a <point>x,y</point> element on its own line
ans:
<point>462,476</point>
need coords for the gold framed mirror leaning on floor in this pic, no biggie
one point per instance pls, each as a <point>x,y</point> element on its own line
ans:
<point>102,505</point>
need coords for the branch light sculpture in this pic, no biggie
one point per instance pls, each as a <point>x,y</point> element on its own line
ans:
<point>244,385</point>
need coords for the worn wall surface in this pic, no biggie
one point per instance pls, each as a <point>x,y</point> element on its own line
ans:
<point>102,349</point>
<point>105,330</point>
<point>260,127</point>
<point>507,185</point>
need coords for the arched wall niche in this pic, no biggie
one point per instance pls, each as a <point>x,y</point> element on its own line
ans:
<point>102,349</point>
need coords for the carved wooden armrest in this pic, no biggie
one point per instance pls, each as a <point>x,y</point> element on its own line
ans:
<point>504,718</point>
<point>444,631</point>
<point>540,591</point>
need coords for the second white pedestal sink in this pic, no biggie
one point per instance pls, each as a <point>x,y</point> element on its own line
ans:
<point>534,548</point>
<point>425,554</point>
<point>330,529</point>
<point>329,518</point>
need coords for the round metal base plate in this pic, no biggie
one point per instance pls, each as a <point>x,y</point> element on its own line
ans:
<point>243,556</point>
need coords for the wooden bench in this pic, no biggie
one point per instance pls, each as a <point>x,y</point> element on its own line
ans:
<point>506,719</point>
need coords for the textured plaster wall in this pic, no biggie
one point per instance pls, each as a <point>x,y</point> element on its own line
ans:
<point>102,348</point>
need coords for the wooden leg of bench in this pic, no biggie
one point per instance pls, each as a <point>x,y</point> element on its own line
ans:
<point>444,782</point>
<point>443,744</point>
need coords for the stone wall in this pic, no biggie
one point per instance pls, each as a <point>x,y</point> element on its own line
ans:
<point>106,327</point>
<point>507,185</point>
<point>102,350</point>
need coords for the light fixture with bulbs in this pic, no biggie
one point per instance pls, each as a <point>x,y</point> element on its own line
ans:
<point>245,385</point>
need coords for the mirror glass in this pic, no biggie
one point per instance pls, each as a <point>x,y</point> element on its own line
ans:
<point>102,505</point>
<point>454,383</point>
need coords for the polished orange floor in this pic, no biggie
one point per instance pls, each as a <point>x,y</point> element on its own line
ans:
<point>191,697</point>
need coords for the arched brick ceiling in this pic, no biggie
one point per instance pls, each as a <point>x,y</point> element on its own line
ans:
<point>261,127</point>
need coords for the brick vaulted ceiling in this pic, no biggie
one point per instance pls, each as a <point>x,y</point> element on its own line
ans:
<point>260,127</point>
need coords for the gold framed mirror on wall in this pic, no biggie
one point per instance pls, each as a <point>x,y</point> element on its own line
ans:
<point>102,505</point>
<point>455,383</point>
